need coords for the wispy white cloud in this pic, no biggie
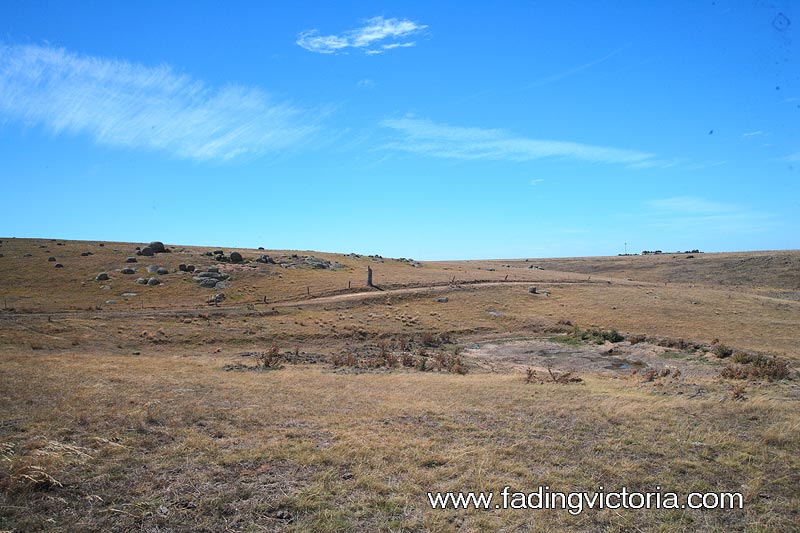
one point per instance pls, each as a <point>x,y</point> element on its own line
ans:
<point>399,45</point>
<point>368,37</point>
<point>129,105</point>
<point>428,138</point>
<point>688,213</point>
<point>702,166</point>
<point>793,158</point>
<point>751,134</point>
<point>536,181</point>
<point>575,70</point>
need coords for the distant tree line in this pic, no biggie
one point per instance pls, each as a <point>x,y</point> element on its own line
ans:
<point>659,252</point>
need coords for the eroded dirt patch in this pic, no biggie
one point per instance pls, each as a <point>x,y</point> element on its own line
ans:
<point>517,355</point>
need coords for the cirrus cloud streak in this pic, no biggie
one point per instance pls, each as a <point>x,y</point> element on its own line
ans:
<point>124,104</point>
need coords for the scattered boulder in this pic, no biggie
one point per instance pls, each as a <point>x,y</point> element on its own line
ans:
<point>189,268</point>
<point>86,254</point>
<point>128,271</point>
<point>51,259</point>
<point>59,265</point>
<point>443,300</point>
<point>208,283</point>
<point>157,247</point>
<point>128,294</point>
<point>28,255</point>
<point>265,259</point>
<point>153,282</point>
<point>131,260</point>
<point>218,252</point>
<point>102,276</point>
<point>141,281</point>
<point>236,257</point>
<point>152,269</point>
<point>260,247</point>
<point>182,267</point>
<point>217,298</point>
<point>317,263</point>
<point>532,290</point>
<point>211,275</point>
<point>146,251</point>
<point>213,269</point>
<point>162,271</point>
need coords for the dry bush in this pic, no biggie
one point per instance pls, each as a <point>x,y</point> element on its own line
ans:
<point>636,339</point>
<point>530,376</point>
<point>422,364</point>
<point>390,359</point>
<point>429,339</point>
<point>722,351</point>
<point>754,366</point>
<point>737,391</point>
<point>272,358</point>
<point>383,347</point>
<point>405,344</point>
<point>734,372</point>
<point>649,375</point>
<point>564,378</point>
<point>665,372</point>
<point>346,358</point>
<point>457,367</point>
<point>676,373</point>
<point>449,362</point>
<point>407,359</point>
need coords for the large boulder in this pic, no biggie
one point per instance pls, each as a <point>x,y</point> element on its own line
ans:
<point>162,271</point>
<point>236,257</point>
<point>146,251</point>
<point>102,276</point>
<point>209,283</point>
<point>157,247</point>
<point>141,281</point>
<point>153,281</point>
<point>51,259</point>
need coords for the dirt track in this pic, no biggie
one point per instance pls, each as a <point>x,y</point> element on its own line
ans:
<point>312,300</point>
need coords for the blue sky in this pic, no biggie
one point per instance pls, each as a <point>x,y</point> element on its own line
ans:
<point>432,130</point>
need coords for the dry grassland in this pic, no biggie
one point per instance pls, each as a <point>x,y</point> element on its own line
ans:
<point>122,416</point>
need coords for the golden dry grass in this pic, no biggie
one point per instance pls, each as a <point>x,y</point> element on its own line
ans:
<point>95,438</point>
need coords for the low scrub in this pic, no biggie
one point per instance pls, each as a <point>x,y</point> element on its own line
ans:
<point>755,366</point>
